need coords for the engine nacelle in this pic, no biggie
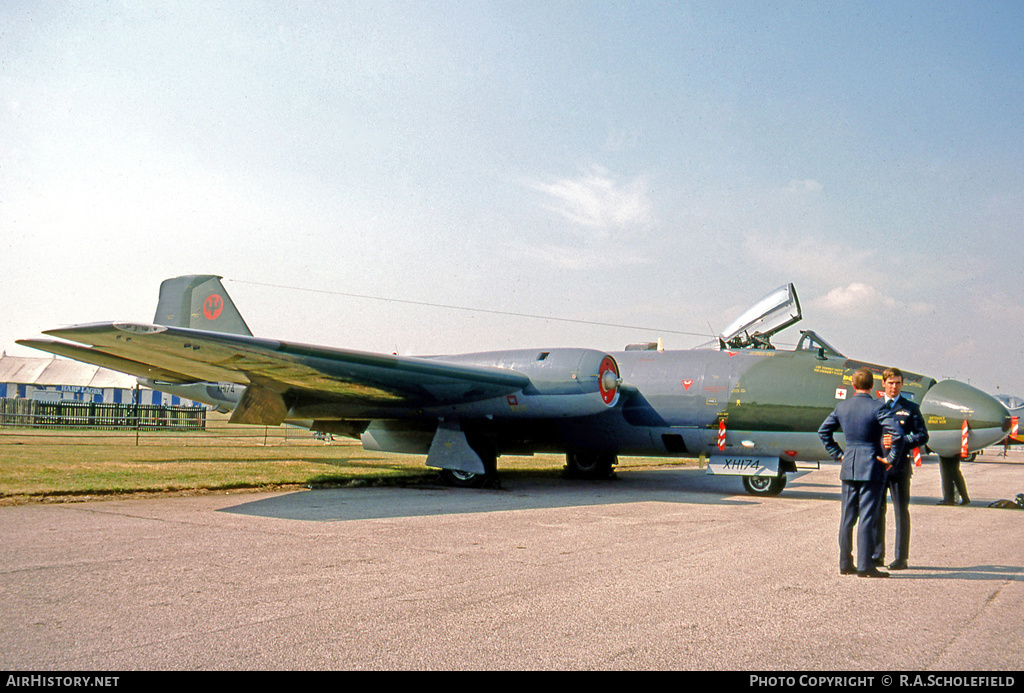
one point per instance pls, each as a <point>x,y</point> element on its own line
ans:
<point>563,383</point>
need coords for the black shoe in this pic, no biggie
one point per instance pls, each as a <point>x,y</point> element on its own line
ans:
<point>898,565</point>
<point>965,501</point>
<point>874,572</point>
<point>847,571</point>
<point>945,502</point>
<point>879,562</point>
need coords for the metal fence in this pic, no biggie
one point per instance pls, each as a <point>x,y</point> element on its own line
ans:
<point>29,413</point>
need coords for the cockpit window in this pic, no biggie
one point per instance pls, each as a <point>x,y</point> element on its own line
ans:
<point>1011,401</point>
<point>810,341</point>
<point>773,313</point>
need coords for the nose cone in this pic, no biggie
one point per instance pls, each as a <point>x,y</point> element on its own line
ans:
<point>948,404</point>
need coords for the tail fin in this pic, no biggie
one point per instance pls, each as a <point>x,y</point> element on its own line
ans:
<point>198,301</point>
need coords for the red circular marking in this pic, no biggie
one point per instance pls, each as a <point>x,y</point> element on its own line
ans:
<point>608,395</point>
<point>212,306</point>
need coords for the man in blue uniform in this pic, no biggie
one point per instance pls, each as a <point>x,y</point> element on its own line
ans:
<point>908,415</point>
<point>863,421</point>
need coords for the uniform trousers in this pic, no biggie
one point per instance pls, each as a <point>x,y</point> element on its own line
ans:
<point>949,471</point>
<point>899,490</point>
<point>861,500</point>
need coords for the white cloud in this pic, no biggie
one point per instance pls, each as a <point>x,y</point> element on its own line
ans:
<point>599,209</point>
<point>863,299</point>
<point>596,203</point>
<point>855,299</point>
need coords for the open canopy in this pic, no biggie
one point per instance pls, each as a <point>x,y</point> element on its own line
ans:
<point>773,313</point>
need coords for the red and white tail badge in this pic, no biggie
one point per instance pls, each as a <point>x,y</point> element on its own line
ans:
<point>608,381</point>
<point>212,306</point>
<point>917,457</point>
<point>721,434</point>
<point>965,451</point>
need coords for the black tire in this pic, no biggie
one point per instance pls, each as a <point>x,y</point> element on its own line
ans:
<point>461,479</point>
<point>764,485</point>
<point>590,465</point>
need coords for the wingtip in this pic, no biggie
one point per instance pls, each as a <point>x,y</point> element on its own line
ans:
<point>74,332</point>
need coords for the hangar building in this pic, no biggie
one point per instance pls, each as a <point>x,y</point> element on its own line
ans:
<point>53,379</point>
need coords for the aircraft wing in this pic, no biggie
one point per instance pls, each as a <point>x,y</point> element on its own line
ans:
<point>276,371</point>
<point>105,360</point>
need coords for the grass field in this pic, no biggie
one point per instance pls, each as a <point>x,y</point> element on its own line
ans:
<point>39,465</point>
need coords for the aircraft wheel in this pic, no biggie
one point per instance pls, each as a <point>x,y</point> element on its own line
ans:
<point>764,485</point>
<point>461,479</point>
<point>590,465</point>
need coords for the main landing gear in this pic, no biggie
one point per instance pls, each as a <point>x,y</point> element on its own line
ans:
<point>765,485</point>
<point>590,465</point>
<point>462,479</point>
<point>578,465</point>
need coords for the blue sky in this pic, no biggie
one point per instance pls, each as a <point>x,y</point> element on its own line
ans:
<point>653,164</point>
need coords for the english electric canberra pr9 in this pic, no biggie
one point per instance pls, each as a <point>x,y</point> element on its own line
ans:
<point>750,409</point>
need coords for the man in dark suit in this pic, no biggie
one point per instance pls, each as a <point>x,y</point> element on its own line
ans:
<point>863,422</point>
<point>908,415</point>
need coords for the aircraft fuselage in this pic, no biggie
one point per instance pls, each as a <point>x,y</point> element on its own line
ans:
<point>672,403</point>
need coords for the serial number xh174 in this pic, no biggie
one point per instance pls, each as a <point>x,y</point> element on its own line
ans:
<point>750,409</point>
